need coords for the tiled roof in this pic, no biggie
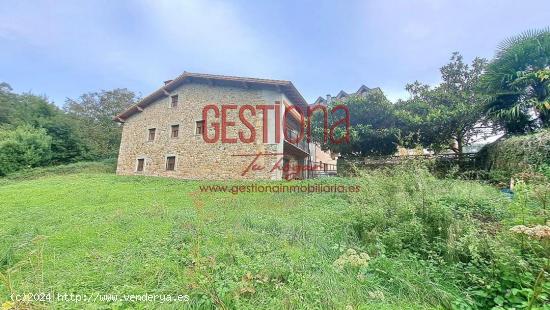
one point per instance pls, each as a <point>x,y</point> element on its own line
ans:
<point>284,86</point>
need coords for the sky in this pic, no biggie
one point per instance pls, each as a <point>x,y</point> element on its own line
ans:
<point>62,49</point>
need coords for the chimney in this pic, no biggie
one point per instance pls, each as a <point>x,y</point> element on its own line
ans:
<point>329,98</point>
<point>167,81</point>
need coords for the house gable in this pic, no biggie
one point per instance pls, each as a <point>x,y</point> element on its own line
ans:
<point>282,86</point>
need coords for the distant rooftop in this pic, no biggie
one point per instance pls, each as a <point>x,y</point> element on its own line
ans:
<point>361,92</point>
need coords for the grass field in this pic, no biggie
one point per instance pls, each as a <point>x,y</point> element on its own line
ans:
<point>96,233</point>
<point>87,233</point>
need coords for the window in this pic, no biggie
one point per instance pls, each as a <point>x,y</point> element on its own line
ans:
<point>152,134</point>
<point>140,164</point>
<point>200,128</point>
<point>174,101</point>
<point>175,131</point>
<point>170,163</point>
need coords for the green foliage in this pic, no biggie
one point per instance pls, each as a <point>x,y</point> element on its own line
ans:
<point>454,228</point>
<point>518,81</point>
<point>449,115</point>
<point>84,132</point>
<point>23,147</point>
<point>515,154</point>
<point>544,169</point>
<point>6,103</point>
<point>67,143</point>
<point>372,130</point>
<point>104,166</point>
<point>95,112</point>
<point>35,111</point>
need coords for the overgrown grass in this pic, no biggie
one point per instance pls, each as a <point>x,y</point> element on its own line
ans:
<point>105,166</point>
<point>457,232</point>
<point>94,232</point>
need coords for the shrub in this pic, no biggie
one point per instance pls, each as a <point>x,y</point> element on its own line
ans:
<point>24,147</point>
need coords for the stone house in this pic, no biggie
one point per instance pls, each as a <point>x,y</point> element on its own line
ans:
<point>163,134</point>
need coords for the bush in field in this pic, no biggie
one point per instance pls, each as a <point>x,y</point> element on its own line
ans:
<point>24,147</point>
<point>506,157</point>
<point>454,228</point>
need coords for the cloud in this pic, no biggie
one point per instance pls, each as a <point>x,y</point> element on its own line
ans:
<point>31,23</point>
<point>76,35</point>
<point>213,36</point>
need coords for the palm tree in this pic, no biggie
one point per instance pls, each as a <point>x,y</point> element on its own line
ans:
<point>518,81</point>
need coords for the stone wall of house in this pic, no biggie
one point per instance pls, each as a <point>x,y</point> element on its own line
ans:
<point>196,159</point>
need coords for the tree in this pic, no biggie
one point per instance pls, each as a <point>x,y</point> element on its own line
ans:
<point>6,103</point>
<point>518,81</point>
<point>372,130</point>
<point>35,111</point>
<point>67,143</point>
<point>95,111</point>
<point>449,116</point>
<point>23,147</point>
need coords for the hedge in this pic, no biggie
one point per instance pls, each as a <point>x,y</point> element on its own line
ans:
<point>515,154</point>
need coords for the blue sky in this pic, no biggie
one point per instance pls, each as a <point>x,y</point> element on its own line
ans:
<point>65,48</point>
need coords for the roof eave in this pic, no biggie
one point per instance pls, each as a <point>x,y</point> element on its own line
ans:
<point>163,91</point>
